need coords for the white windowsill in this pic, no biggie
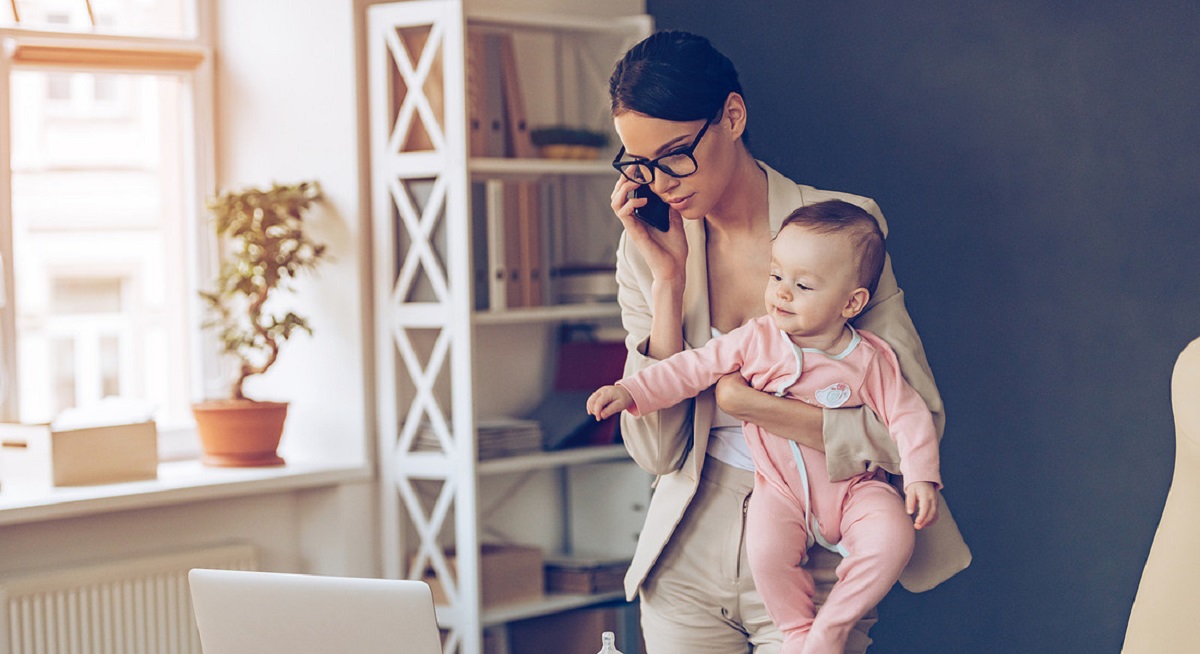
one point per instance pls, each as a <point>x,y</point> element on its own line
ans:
<point>178,482</point>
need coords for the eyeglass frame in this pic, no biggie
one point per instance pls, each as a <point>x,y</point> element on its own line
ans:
<point>652,164</point>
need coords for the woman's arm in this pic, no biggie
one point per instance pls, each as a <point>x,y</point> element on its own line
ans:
<point>666,323</point>
<point>888,318</point>
<point>789,418</point>
<point>847,451</point>
<point>650,293</point>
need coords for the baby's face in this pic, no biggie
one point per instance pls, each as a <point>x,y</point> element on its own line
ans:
<point>812,278</point>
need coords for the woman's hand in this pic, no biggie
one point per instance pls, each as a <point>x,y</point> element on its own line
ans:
<point>731,393</point>
<point>665,252</point>
<point>783,416</point>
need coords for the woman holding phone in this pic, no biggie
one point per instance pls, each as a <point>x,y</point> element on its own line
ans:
<point>679,111</point>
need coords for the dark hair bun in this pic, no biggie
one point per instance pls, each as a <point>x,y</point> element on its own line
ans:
<point>673,75</point>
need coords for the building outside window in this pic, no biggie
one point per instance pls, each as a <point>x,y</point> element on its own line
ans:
<point>102,178</point>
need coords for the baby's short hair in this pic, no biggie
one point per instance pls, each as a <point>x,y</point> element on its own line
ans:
<point>852,221</point>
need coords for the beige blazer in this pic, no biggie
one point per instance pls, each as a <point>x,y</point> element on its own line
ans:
<point>672,443</point>
<point>1162,620</point>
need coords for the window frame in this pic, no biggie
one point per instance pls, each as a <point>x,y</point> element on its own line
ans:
<point>189,58</point>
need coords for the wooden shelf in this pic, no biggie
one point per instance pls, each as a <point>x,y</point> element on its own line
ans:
<point>546,606</point>
<point>495,167</point>
<point>618,25</point>
<point>431,314</point>
<point>550,313</point>
<point>557,459</point>
<point>553,603</point>
<point>434,465</point>
<point>178,483</point>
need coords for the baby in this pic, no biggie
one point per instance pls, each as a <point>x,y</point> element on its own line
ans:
<point>825,262</point>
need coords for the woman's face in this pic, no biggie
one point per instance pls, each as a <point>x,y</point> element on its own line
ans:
<point>693,196</point>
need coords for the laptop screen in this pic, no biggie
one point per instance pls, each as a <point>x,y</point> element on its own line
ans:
<point>268,612</point>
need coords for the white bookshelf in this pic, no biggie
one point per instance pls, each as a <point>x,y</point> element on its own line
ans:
<point>442,359</point>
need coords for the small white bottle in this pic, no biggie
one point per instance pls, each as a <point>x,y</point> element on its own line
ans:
<point>608,647</point>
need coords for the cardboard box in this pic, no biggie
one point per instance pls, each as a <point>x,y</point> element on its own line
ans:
<point>508,573</point>
<point>39,455</point>
<point>584,575</point>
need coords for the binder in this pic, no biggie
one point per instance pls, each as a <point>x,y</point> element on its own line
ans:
<point>480,254</point>
<point>514,287</point>
<point>530,245</point>
<point>497,259</point>
<point>494,122</point>
<point>476,94</point>
<point>516,129</point>
<point>509,265</point>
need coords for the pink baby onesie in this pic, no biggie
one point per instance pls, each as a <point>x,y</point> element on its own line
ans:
<point>794,502</point>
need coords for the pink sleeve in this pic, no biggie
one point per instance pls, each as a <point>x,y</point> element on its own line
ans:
<point>684,374</point>
<point>907,416</point>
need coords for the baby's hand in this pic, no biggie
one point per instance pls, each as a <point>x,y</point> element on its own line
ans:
<point>608,401</point>
<point>921,496</point>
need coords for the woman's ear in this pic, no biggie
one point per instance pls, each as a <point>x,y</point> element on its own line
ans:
<point>733,115</point>
<point>856,303</point>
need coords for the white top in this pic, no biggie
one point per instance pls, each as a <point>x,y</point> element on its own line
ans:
<point>726,442</point>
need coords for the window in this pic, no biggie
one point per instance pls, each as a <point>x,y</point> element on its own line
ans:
<point>99,221</point>
<point>158,18</point>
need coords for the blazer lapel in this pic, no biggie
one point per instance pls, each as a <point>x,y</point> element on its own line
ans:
<point>697,328</point>
<point>783,197</point>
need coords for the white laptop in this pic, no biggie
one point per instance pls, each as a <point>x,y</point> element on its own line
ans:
<point>239,612</point>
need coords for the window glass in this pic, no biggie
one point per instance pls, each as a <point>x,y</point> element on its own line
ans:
<point>99,249</point>
<point>163,18</point>
<point>61,354</point>
<point>90,295</point>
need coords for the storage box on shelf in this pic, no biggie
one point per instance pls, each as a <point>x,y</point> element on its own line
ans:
<point>507,574</point>
<point>42,456</point>
<point>584,574</point>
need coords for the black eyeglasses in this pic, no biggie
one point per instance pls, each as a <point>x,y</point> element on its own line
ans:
<point>677,163</point>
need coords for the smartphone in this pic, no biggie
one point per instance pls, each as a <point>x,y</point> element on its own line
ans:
<point>655,212</point>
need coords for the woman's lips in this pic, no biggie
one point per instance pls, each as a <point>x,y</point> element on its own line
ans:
<point>679,204</point>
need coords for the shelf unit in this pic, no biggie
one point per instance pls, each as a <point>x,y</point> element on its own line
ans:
<point>435,348</point>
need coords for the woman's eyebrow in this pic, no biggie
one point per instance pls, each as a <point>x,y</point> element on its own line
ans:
<point>673,144</point>
<point>666,147</point>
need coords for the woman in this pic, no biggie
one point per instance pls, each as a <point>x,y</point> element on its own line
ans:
<point>678,108</point>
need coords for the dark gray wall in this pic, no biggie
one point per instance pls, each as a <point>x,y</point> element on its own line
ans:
<point>1039,165</point>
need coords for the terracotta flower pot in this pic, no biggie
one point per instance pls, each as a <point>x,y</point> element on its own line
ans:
<point>240,433</point>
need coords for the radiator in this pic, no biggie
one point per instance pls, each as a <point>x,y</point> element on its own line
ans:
<point>131,606</point>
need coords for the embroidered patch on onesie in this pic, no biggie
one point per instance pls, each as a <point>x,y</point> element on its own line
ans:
<point>834,395</point>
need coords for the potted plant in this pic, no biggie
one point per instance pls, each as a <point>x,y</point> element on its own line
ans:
<point>264,245</point>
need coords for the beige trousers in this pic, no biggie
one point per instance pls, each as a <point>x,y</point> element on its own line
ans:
<point>700,597</point>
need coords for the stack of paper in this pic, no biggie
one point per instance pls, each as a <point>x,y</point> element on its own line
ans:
<point>497,437</point>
